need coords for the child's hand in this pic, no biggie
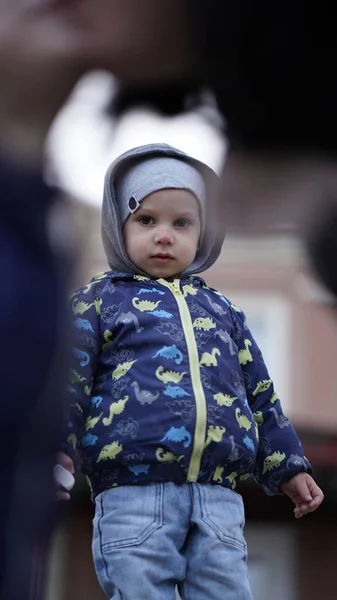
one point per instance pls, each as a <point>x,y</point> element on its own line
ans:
<point>304,492</point>
<point>66,462</point>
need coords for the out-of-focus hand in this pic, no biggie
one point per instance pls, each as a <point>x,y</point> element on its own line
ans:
<point>66,462</point>
<point>304,492</point>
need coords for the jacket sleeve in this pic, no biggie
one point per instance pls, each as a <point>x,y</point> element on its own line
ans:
<point>280,455</point>
<point>85,348</point>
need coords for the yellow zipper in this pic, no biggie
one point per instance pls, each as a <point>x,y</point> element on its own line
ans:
<point>200,400</point>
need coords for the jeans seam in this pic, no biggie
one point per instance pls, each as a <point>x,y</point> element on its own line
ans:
<point>100,540</point>
<point>157,522</point>
<point>206,518</point>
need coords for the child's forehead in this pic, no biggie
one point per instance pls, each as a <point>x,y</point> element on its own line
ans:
<point>170,200</point>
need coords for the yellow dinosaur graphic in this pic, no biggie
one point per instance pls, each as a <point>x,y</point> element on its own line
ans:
<point>262,386</point>
<point>89,483</point>
<point>76,377</point>
<point>169,376</point>
<point>90,423</point>
<point>214,434</point>
<point>258,416</point>
<point>274,398</point>
<point>208,359</point>
<point>204,323</point>
<point>272,461</point>
<point>110,451</point>
<point>189,289</point>
<point>163,456</point>
<point>232,479</point>
<point>87,389</point>
<point>122,369</point>
<point>80,307</point>
<point>218,474</point>
<point>236,308</point>
<point>242,420</point>
<point>116,408</point>
<point>141,278</point>
<point>245,354</point>
<point>107,335</point>
<point>72,439</point>
<point>145,305</point>
<point>224,399</point>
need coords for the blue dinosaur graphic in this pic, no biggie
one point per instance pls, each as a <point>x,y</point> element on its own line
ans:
<point>249,443</point>
<point>89,440</point>
<point>171,353</point>
<point>82,356</point>
<point>175,391</point>
<point>96,401</point>
<point>83,324</point>
<point>71,389</point>
<point>161,314</point>
<point>152,291</point>
<point>138,469</point>
<point>178,434</point>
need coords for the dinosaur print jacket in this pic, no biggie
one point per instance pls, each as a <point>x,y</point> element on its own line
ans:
<point>168,384</point>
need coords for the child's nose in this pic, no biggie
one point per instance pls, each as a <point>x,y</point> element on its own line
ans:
<point>163,236</point>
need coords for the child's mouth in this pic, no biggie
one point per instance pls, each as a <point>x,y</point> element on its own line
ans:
<point>163,257</point>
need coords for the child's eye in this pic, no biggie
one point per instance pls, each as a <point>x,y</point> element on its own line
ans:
<point>181,223</point>
<point>146,220</point>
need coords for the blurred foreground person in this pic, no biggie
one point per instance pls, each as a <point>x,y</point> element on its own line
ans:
<point>44,48</point>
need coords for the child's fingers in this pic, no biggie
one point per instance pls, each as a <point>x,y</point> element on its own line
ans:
<point>307,507</point>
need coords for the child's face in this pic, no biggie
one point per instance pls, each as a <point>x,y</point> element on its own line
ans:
<point>162,236</point>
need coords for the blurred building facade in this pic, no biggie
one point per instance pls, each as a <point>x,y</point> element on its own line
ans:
<point>295,323</point>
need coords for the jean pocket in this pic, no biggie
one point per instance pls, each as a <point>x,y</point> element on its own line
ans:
<point>128,515</point>
<point>223,511</point>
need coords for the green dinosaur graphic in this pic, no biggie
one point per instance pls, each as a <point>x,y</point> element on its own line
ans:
<point>272,461</point>
<point>122,369</point>
<point>204,323</point>
<point>116,408</point>
<point>242,420</point>
<point>107,335</point>
<point>245,354</point>
<point>224,399</point>
<point>214,434</point>
<point>262,386</point>
<point>76,377</point>
<point>110,451</point>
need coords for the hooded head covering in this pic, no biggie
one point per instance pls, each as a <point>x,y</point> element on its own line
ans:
<point>144,170</point>
<point>153,174</point>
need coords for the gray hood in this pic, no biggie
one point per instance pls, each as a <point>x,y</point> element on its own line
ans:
<point>212,238</point>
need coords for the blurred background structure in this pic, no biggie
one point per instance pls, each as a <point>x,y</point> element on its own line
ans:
<point>292,317</point>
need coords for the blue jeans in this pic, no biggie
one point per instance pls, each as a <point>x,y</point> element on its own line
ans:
<point>151,539</point>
